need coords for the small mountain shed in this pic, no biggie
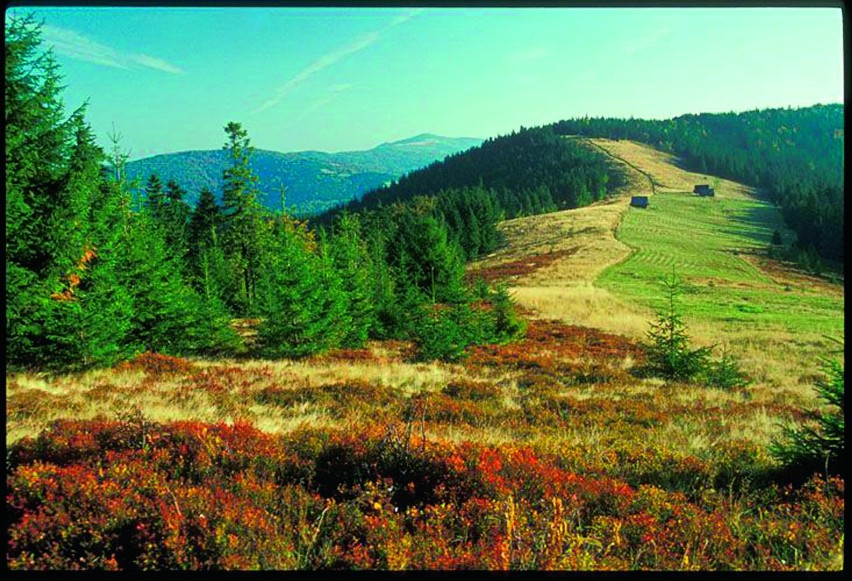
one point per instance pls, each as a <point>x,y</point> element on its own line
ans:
<point>704,190</point>
<point>639,201</point>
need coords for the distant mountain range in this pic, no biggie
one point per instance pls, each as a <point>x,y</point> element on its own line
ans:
<point>314,180</point>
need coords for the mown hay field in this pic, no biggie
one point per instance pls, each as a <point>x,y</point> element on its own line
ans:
<point>778,320</point>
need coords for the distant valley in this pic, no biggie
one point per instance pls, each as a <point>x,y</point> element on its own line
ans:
<point>314,180</point>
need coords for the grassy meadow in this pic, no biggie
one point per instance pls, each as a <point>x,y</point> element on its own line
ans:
<point>713,245</point>
<point>548,453</point>
<point>707,242</point>
<point>778,320</point>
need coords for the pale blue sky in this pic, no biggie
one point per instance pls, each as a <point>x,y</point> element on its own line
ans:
<point>337,79</point>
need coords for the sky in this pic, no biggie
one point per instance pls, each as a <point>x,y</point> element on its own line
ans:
<point>339,79</point>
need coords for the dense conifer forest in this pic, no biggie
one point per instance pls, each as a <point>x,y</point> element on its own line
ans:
<point>794,155</point>
<point>94,277</point>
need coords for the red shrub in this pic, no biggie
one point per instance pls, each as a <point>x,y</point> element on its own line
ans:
<point>189,495</point>
<point>518,268</point>
<point>555,346</point>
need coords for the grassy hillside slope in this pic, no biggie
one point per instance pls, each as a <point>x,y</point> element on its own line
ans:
<point>795,155</point>
<point>775,317</point>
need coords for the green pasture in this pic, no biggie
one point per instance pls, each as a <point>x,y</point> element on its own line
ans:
<point>703,240</point>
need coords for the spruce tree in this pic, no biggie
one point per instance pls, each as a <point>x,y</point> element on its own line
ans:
<point>102,307</point>
<point>336,313</point>
<point>209,272</point>
<point>820,447</point>
<point>243,218</point>
<point>88,283</point>
<point>46,204</point>
<point>350,258</point>
<point>37,137</point>
<point>507,325</point>
<point>154,196</point>
<point>205,221</point>
<point>31,102</point>
<point>669,353</point>
<point>168,316</point>
<point>424,257</point>
<point>776,238</point>
<point>388,310</point>
<point>175,220</point>
<point>299,297</point>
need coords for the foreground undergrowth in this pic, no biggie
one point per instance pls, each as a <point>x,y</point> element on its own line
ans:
<point>543,454</point>
<point>190,495</point>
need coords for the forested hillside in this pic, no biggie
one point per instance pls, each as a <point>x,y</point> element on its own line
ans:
<point>532,171</point>
<point>794,155</point>
<point>314,180</point>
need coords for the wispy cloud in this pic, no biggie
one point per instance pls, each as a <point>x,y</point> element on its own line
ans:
<point>155,63</point>
<point>332,58</point>
<point>528,55</point>
<point>405,17</point>
<point>77,46</point>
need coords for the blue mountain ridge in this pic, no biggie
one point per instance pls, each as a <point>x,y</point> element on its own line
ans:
<point>313,180</point>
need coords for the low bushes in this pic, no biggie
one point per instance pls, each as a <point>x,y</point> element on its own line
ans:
<point>187,495</point>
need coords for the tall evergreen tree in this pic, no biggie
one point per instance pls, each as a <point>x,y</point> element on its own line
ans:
<point>37,139</point>
<point>175,220</point>
<point>424,257</point>
<point>41,206</point>
<point>205,221</point>
<point>101,308</point>
<point>209,271</point>
<point>388,309</point>
<point>168,316</point>
<point>243,218</point>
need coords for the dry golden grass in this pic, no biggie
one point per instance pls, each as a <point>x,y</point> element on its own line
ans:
<point>586,305</point>
<point>228,390</point>
<point>35,400</point>
<point>565,290</point>
<point>665,170</point>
